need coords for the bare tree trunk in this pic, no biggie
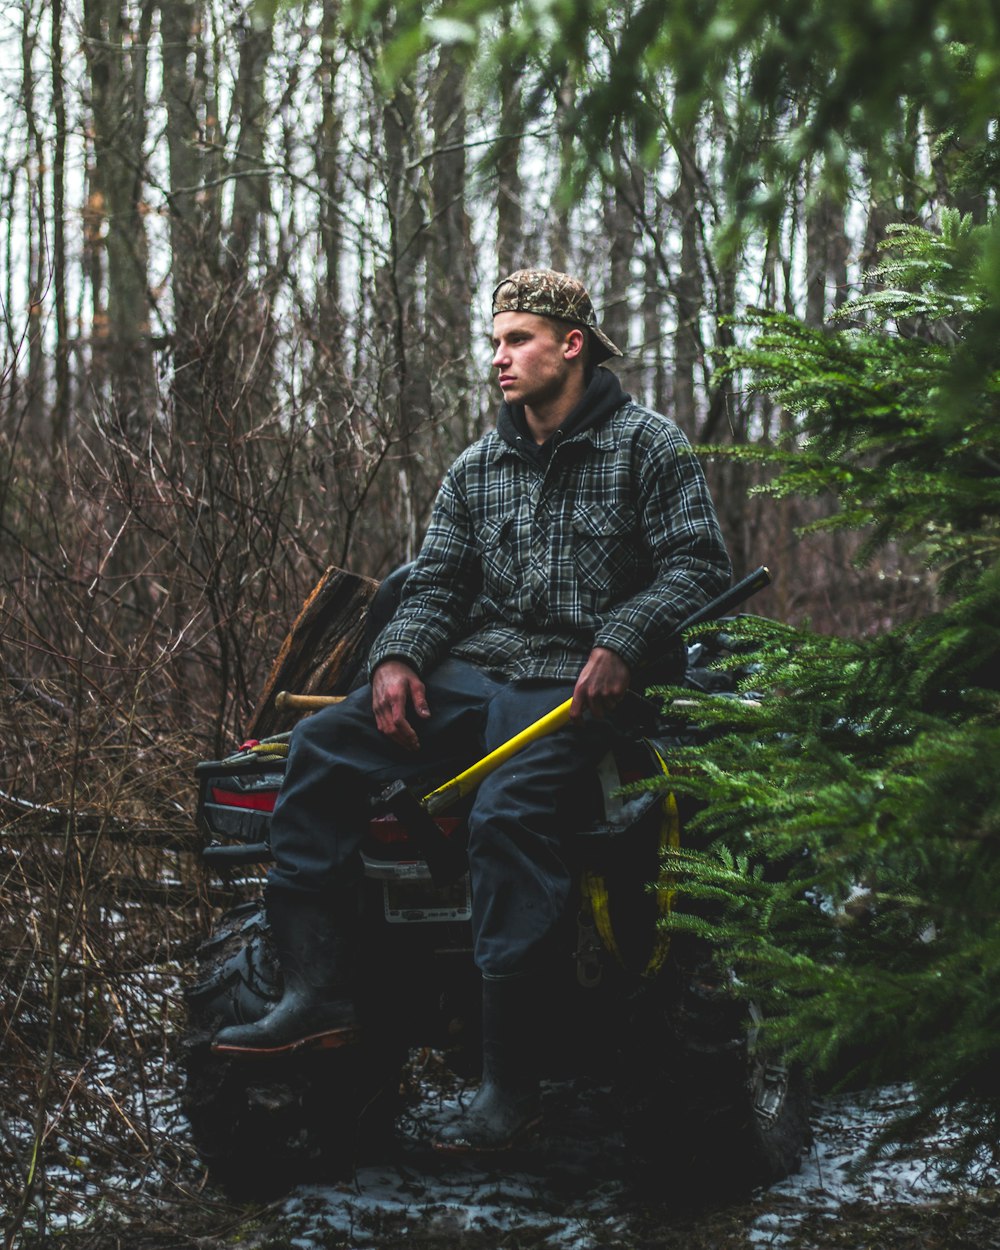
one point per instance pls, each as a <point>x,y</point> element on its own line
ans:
<point>883,208</point>
<point>826,258</point>
<point>726,417</point>
<point>817,223</point>
<point>838,252</point>
<point>212,157</point>
<point>733,477</point>
<point>241,332</point>
<point>8,365</point>
<point>118,88</point>
<point>34,390</point>
<point>328,169</point>
<point>406,384</point>
<point>652,325</point>
<point>510,223</point>
<point>619,200</point>
<point>450,261</point>
<point>191,247</point>
<point>61,399</point>
<point>557,232</point>
<point>251,189</point>
<point>689,287</point>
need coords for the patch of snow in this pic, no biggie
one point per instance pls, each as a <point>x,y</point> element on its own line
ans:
<point>832,1175</point>
<point>570,1191</point>
<point>566,1189</point>
<point>564,1195</point>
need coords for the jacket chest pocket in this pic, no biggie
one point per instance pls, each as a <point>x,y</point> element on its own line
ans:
<point>498,554</point>
<point>606,551</point>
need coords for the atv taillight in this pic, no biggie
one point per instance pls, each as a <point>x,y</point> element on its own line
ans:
<point>388,830</point>
<point>253,801</point>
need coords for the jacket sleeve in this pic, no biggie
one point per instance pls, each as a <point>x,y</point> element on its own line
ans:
<point>680,530</point>
<point>439,591</point>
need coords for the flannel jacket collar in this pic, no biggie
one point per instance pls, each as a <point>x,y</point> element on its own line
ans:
<point>590,420</point>
<point>604,437</point>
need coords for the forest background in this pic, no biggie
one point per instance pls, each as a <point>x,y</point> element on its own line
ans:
<point>245,271</point>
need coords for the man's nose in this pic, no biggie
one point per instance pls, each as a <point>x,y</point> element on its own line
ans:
<point>500,356</point>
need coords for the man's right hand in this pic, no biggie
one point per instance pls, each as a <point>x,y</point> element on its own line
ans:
<point>394,686</point>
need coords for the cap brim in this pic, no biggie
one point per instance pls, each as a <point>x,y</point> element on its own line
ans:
<point>601,346</point>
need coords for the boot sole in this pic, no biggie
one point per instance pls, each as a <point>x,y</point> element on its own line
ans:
<point>332,1040</point>
<point>467,1148</point>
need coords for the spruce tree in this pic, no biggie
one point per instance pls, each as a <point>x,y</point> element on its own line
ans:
<point>849,867</point>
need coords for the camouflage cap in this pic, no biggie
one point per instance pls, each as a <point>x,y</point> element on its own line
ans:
<point>547,293</point>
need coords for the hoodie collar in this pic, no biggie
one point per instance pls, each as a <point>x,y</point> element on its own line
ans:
<point>602,398</point>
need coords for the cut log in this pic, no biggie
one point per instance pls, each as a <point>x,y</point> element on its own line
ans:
<point>323,651</point>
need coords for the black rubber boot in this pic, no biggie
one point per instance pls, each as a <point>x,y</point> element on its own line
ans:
<point>315,1011</point>
<point>507,1104</point>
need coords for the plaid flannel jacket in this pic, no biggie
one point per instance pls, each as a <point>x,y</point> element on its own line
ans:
<point>525,568</point>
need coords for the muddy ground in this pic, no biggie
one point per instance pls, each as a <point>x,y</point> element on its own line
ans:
<point>568,1189</point>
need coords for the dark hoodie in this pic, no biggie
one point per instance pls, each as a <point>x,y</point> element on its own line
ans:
<point>602,398</point>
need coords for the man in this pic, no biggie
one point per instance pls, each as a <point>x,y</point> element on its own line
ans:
<point>563,550</point>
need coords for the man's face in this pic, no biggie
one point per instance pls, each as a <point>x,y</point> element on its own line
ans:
<point>532,357</point>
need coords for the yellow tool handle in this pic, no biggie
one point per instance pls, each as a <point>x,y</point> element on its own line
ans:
<point>444,796</point>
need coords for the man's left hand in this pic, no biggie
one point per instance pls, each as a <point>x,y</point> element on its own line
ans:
<point>602,684</point>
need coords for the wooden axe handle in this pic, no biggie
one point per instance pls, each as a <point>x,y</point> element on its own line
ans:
<point>286,702</point>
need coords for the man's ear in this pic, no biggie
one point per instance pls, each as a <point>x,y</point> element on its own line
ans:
<point>573,344</point>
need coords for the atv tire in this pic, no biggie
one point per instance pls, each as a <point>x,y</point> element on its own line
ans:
<point>708,1114</point>
<point>264,1125</point>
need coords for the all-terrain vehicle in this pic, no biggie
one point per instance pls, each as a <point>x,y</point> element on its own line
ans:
<point>630,1002</point>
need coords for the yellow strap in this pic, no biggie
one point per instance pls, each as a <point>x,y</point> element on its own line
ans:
<point>665,903</point>
<point>670,835</point>
<point>270,748</point>
<point>596,891</point>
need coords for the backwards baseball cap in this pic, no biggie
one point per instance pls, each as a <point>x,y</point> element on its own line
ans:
<point>547,293</point>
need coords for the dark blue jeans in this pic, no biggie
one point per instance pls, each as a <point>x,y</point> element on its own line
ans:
<point>518,823</point>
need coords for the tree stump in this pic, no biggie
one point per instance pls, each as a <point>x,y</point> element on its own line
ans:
<point>323,650</point>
